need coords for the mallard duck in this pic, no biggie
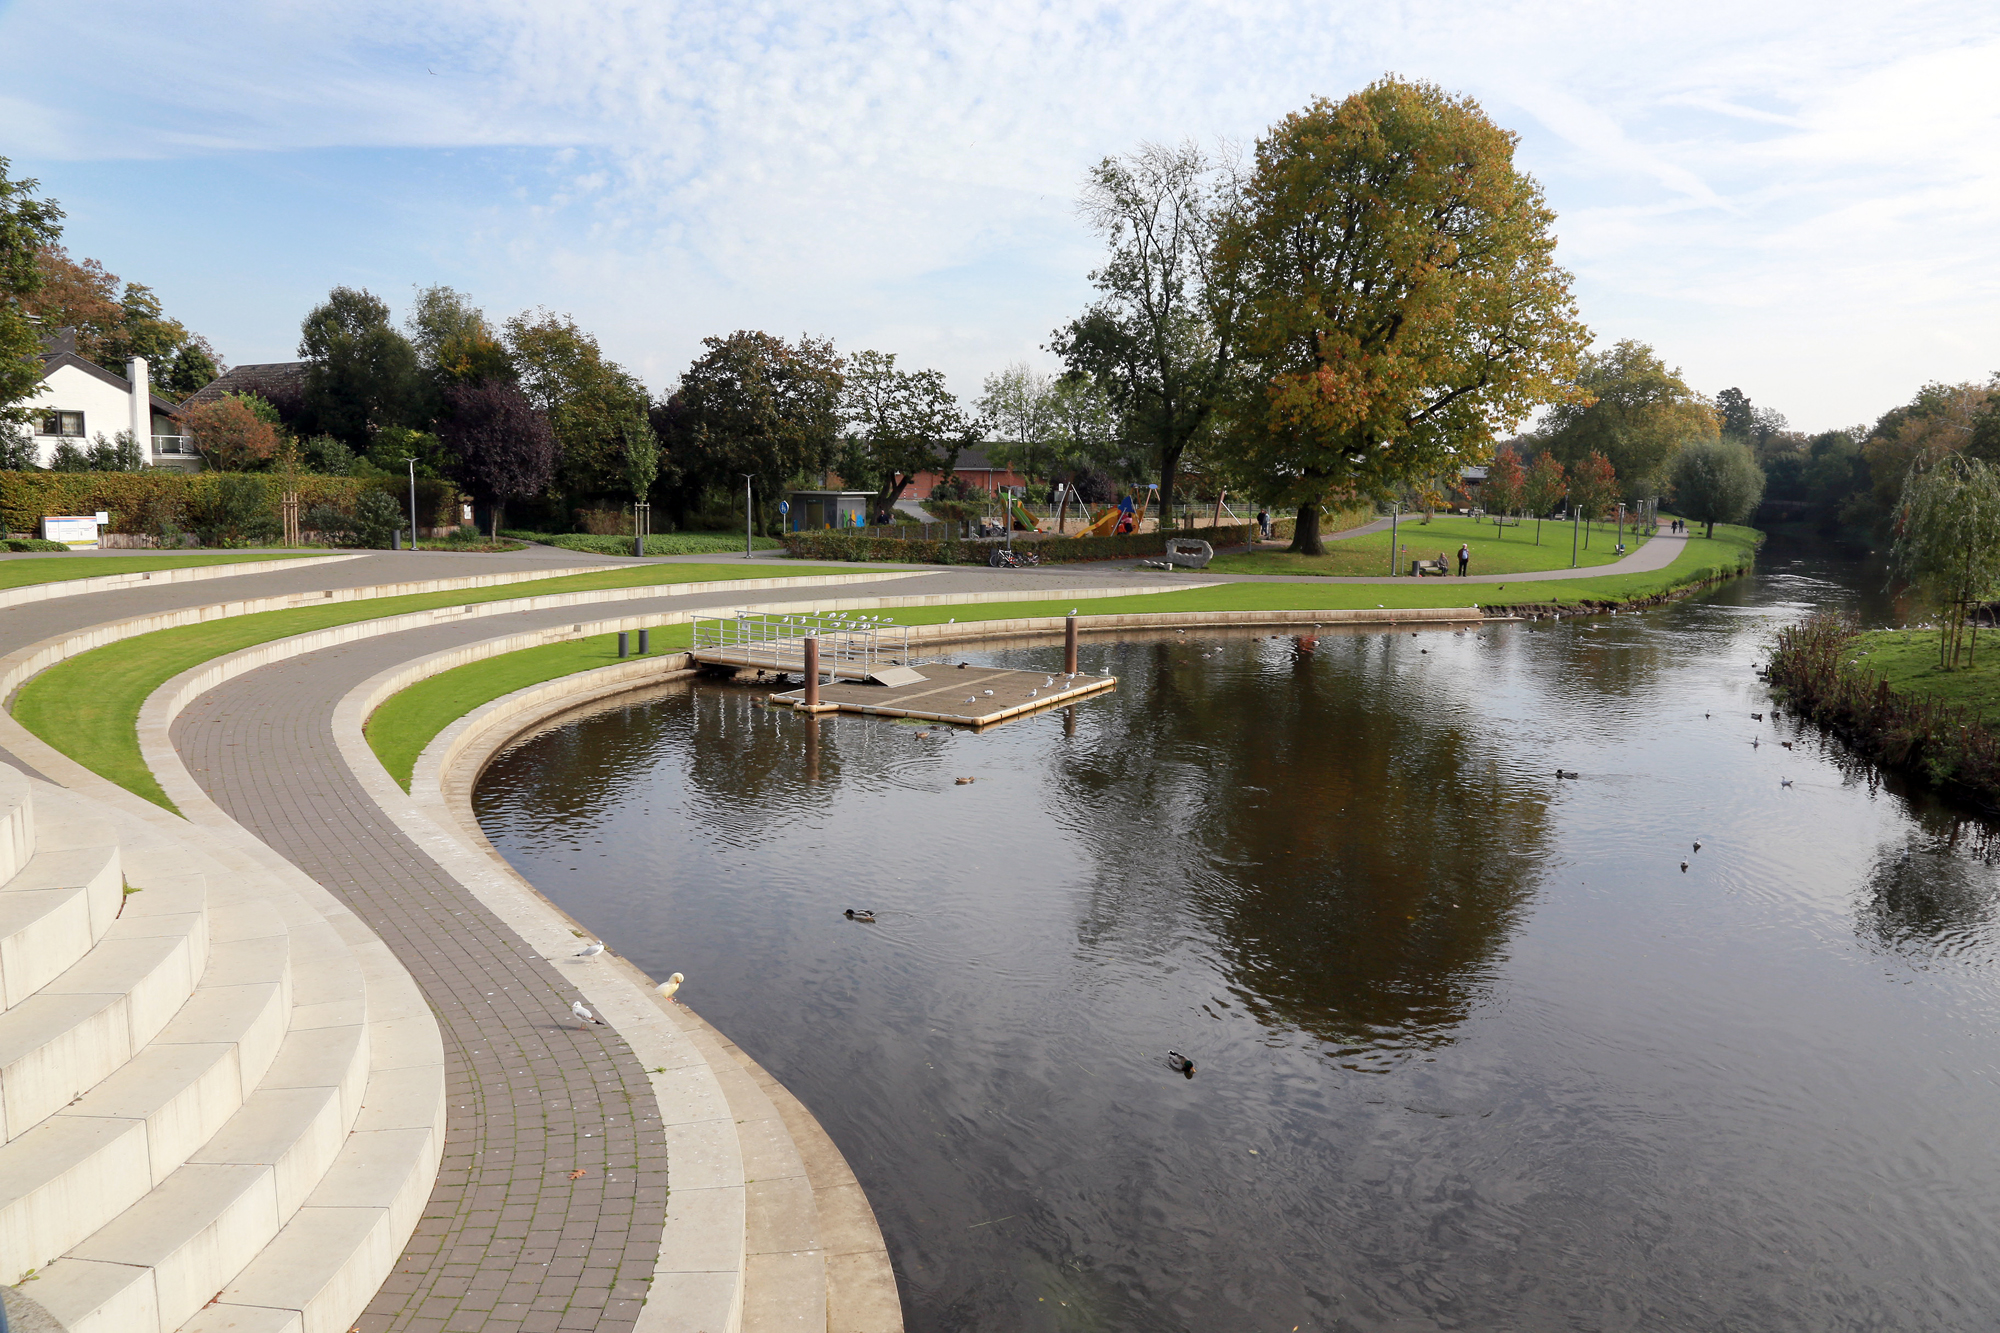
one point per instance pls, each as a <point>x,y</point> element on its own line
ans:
<point>1180,1063</point>
<point>859,914</point>
<point>1561,774</point>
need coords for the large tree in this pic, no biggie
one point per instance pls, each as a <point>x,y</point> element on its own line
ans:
<point>501,445</point>
<point>1635,410</point>
<point>454,344</point>
<point>1160,340</point>
<point>1948,544</point>
<point>1401,298</point>
<point>587,397</point>
<point>27,226</point>
<point>755,404</point>
<point>905,422</point>
<point>361,373</point>
<point>1717,481</point>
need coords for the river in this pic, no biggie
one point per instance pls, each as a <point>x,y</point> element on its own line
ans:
<point>1473,1050</point>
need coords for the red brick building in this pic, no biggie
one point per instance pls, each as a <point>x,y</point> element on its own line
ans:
<point>974,468</point>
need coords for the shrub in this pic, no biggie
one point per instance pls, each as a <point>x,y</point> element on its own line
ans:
<point>233,512</point>
<point>376,519</point>
<point>33,544</point>
<point>150,502</point>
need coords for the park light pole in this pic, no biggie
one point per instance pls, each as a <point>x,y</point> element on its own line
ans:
<point>746,516</point>
<point>1395,510</point>
<point>412,461</point>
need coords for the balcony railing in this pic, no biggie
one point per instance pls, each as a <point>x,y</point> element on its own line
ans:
<point>173,444</point>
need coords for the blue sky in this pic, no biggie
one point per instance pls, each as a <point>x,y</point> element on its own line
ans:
<point>1798,198</point>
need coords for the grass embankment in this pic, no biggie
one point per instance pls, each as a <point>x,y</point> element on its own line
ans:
<point>1883,693</point>
<point>1510,550</point>
<point>62,568</point>
<point>658,543</point>
<point>88,707</point>
<point>408,721</point>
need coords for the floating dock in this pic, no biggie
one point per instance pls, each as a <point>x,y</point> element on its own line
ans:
<point>970,696</point>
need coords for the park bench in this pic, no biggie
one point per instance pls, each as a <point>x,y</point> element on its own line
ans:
<point>1426,568</point>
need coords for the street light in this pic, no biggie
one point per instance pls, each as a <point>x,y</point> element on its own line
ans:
<point>746,515</point>
<point>412,461</point>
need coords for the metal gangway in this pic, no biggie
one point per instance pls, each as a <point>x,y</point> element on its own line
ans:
<point>852,646</point>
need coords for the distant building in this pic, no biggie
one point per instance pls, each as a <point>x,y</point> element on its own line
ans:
<point>974,468</point>
<point>78,400</point>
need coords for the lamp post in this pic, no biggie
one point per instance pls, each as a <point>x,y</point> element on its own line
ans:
<point>746,515</point>
<point>412,461</point>
<point>1395,510</point>
<point>1572,529</point>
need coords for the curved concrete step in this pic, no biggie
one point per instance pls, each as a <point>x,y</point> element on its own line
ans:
<point>52,912</point>
<point>17,822</point>
<point>86,1023</point>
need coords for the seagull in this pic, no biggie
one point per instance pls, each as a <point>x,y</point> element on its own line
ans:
<point>576,1007</point>
<point>665,990</point>
<point>987,693</point>
<point>973,699</point>
<point>1033,693</point>
<point>1050,681</point>
<point>592,949</point>
<point>1072,610</point>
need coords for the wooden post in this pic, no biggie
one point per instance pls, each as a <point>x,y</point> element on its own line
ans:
<point>1069,645</point>
<point>812,671</point>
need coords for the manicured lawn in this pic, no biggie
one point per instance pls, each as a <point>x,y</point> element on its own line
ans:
<point>1509,550</point>
<point>88,707</point>
<point>406,722</point>
<point>1908,660</point>
<point>61,568</point>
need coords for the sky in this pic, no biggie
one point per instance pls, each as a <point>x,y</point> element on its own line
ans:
<point>1797,199</point>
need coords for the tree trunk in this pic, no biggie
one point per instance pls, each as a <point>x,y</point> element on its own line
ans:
<point>1305,530</point>
<point>1170,467</point>
<point>1711,528</point>
<point>493,521</point>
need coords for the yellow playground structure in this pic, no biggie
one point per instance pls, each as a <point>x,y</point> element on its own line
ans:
<point>1106,523</point>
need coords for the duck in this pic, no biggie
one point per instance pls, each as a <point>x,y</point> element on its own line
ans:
<point>861,914</point>
<point>1561,774</point>
<point>1180,1063</point>
<point>963,782</point>
<point>1697,846</point>
<point>1684,867</point>
<point>667,989</point>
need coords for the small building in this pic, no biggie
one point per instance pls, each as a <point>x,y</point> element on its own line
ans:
<point>974,468</point>
<point>78,400</point>
<point>814,510</point>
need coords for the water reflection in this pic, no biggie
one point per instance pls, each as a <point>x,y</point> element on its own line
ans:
<point>1474,1051</point>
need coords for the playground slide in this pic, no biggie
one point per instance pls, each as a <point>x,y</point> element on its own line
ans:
<point>1100,526</point>
<point>1028,522</point>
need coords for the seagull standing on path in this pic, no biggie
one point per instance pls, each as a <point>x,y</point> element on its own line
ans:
<point>666,989</point>
<point>576,1007</point>
<point>591,950</point>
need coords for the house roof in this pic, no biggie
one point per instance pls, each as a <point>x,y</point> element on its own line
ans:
<point>52,361</point>
<point>274,381</point>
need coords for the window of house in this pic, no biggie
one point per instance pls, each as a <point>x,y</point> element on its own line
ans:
<point>63,423</point>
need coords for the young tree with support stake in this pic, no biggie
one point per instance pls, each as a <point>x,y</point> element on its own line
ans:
<point>1400,297</point>
<point>1545,486</point>
<point>1505,488</point>
<point>1593,488</point>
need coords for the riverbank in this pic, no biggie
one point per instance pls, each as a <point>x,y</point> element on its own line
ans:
<point>1883,693</point>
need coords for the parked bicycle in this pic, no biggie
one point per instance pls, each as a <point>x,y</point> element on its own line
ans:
<point>1003,558</point>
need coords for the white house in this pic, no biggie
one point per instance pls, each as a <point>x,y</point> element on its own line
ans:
<point>79,400</point>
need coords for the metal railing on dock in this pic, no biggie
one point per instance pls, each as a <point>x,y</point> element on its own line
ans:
<point>850,645</point>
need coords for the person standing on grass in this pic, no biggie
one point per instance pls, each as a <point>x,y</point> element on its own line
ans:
<point>1464,557</point>
<point>1264,524</point>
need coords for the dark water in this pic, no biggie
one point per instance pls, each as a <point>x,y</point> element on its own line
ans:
<point>1473,1051</point>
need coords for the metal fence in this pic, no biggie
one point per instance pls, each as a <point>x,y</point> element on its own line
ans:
<point>849,643</point>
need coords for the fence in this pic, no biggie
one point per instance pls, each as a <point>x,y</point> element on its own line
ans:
<point>849,645</point>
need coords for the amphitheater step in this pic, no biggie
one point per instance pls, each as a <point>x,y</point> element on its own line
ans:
<point>51,913</point>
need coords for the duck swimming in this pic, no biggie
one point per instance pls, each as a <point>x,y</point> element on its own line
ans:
<point>1180,1063</point>
<point>860,914</point>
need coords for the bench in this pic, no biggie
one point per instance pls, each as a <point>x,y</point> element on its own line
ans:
<point>1426,568</point>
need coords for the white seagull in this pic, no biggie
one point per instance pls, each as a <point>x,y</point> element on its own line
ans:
<point>591,950</point>
<point>666,989</point>
<point>576,1007</point>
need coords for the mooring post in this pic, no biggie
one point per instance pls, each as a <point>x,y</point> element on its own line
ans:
<point>1069,645</point>
<point>812,671</point>
<point>624,644</point>
<point>645,642</point>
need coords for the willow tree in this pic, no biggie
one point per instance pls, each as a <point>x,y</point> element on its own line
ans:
<point>1401,299</point>
<point>1948,544</point>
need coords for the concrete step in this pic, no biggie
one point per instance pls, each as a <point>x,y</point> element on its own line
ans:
<point>86,1023</point>
<point>17,822</point>
<point>74,1172</point>
<point>52,912</point>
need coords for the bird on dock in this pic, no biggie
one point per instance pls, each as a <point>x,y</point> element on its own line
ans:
<point>987,693</point>
<point>1033,693</point>
<point>667,989</point>
<point>591,950</point>
<point>1561,774</point>
<point>862,914</point>
<point>1180,1064</point>
<point>1050,681</point>
<point>576,1007</point>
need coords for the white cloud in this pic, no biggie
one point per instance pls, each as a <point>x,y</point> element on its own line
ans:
<point>1798,198</point>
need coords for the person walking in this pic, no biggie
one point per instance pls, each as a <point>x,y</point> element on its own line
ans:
<point>1464,557</point>
<point>1264,524</point>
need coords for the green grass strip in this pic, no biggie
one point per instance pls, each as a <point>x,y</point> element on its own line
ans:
<point>408,721</point>
<point>88,706</point>
<point>1908,660</point>
<point>63,568</point>
<point>1510,550</point>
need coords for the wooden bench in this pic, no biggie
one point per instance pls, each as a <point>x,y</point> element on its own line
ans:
<point>1426,568</point>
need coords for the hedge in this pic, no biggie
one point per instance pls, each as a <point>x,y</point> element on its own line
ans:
<point>836,544</point>
<point>139,501</point>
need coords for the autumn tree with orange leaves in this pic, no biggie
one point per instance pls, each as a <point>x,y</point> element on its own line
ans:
<point>1401,300</point>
